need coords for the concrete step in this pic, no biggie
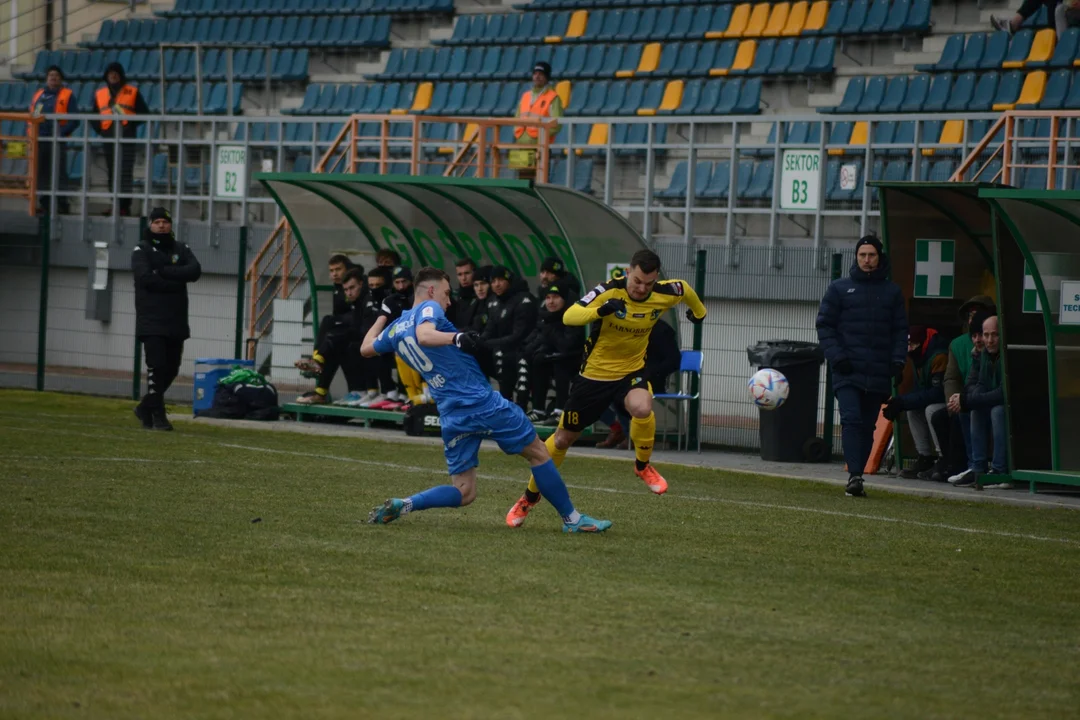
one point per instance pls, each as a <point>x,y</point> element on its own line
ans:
<point>911,59</point>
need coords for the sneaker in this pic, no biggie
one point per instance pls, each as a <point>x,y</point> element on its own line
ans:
<point>963,479</point>
<point>1001,24</point>
<point>586,524</point>
<point>920,470</point>
<point>517,514</point>
<point>384,405</point>
<point>308,368</point>
<point>553,419</point>
<point>144,417</point>
<point>536,416</point>
<point>373,398</point>
<point>161,420</point>
<point>855,487</point>
<point>349,399</point>
<point>652,478</point>
<point>312,398</point>
<point>388,512</point>
<point>395,396</point>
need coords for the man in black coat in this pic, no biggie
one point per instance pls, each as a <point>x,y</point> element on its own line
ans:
<point>511,317</point>
<point>553,272</point>
<point>162,267</point>
<point>862,327</point>
<point>552,352</point>
<point>474,314</point>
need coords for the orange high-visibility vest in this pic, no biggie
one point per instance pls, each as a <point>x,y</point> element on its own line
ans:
<point>125,100</point>
<point>62,99</point>
<point>538,108</point>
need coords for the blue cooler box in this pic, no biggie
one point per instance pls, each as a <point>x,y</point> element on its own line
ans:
<point>207,373</point>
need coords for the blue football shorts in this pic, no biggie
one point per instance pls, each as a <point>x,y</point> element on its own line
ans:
<point>498,419</point>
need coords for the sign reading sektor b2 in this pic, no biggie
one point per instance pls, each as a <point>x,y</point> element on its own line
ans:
<point>800,178</point>
<point>230,176</point>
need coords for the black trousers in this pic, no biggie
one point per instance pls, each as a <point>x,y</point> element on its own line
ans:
<point>508,375</point>
<point>951,436</point>
<point>127,171</point>
<point>339,350</point>
<point>163,355</point>
<point>45,172</point>
<point>543,370</point>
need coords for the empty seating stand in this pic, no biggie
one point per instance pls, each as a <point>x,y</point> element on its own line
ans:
<point>179,64</point>
<point>306,31</point>
<point>200,8</point>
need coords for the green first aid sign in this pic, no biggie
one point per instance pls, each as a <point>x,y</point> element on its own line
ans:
<point>800,178</point>
<point>934,268</point>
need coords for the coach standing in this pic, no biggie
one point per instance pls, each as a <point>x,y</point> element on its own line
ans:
<point>862,326</point>
<point>162,267</point>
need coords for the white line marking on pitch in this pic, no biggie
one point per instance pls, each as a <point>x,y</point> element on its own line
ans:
<point>90,458</point>
<point>744,503</point>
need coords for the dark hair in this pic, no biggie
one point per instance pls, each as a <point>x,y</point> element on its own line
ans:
<point>430,274</point>
<point>54,68</point>
<point>339,259</point>
<point>387,254</point>
<point>356,273</point>
<point>646,261</point>
<point>465,261</point>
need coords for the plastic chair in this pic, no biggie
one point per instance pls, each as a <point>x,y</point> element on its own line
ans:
<point>689,371</point>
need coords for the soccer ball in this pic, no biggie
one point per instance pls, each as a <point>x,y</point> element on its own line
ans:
<point>768,388</point>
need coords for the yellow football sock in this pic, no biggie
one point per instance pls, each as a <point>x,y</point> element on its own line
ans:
<point>321,391</point>
<point>411,379</point>
<point>318,358</point>
<point>643,433</point>
<point>557,456</point>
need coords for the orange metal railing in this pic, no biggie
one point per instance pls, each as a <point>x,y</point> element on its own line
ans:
<point>480,151</point>
<point>18,160</point>
<point>1011,143</point>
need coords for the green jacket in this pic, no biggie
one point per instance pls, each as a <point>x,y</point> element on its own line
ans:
<point>959,363</point>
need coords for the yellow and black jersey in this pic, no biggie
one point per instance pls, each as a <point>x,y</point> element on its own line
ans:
<point>617,343</point>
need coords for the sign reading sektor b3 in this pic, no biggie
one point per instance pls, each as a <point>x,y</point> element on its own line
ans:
<point>800,178</point>
<point>230,175</point>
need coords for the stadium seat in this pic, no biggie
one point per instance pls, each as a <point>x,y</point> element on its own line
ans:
<point>778,18</point>
<point>883,133</point>
<point>761,184</point>
<point>1042,48</point>
<point>856,17</point>
<point>1072,99</point>
<point>894,94</point>
<point>740,16</point>
<point>973,53</point>
<point>876,17</point>
<point>918,20</point>
<point>804,55</point>
<point>781,57</point>
<point>704,62</point>
<point>711,93</point>
<point>982,99</point>
<point>1031,93</point>
<point>759,18</point>
<point>796,19</point>
<point>749,101</point>
<point>1065,51</point>
<point>852,97</point>
<point>816,17</point>
<point>1019,48</point>
<point>719,183</point>
<point>872,95</point>
<point>754,61</point>
<point>898,13</point>
<point>950,55</point>
<point>917,92</point>
<point>962,91</point>
<point>940,89</point>
<point>834,24</point>
<point>613,101</point>
<point>824,57</point>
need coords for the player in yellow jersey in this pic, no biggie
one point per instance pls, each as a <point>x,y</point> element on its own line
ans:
<point>622,313</point>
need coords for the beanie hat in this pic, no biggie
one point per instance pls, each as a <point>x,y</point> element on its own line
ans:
<point>501,271</point>
<point>544,68</point>
<point>160,213</point>
<point>869,240</point>
<point>114,67</point>
<point>556,289</point>
<point>482,274</point>
<point>553,265</point>
<point>54,68</point>
<point>402,272</point>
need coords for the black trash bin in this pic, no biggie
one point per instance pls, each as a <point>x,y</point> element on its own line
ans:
<point>788,432</point>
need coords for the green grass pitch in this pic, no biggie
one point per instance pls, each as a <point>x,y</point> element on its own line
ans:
<point>135,582</point>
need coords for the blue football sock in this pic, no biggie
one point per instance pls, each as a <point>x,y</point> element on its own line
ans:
<point>553,488</point>
<point>436,497</point>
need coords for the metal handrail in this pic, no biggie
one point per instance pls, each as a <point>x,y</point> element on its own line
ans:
<point>23,185</point>
<point>1010,141</point>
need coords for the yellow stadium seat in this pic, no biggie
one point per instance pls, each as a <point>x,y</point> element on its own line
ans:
<point>598,135</point>
<point>759,17</point>
<point>650,58</point>
<point>673,92</point>
<point>796,19</point>
<point>815,19</point>
<point>422,99</point>
<point>951,132</point>
<point>1042,47</point>
<point>578,22</point>
<point>1034,85</point>
<point>777,20</point>
<point>739,17</point>
<point>562,89</point>
<point>858,137</point>
<point>744,56</point>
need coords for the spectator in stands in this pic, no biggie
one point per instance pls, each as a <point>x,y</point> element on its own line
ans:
<point>511,317</point>
<point>552,352</point>
<point>984,398</point>
<point>553,270</point>
<point>387,258</point>
<point>53,99</point>
<point>862,326</point>
<point>929,353</point>
<point>540,102</point>
<point>162,267</point>
<point>1027,9</point>
<point>1066,15</point>
<point>662,358</point>
<point>117,98</point>
<point>338,345</point>
<point>961,350</point>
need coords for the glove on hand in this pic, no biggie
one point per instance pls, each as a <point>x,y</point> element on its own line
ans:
<point>468,342</point>
<point>612,306</point>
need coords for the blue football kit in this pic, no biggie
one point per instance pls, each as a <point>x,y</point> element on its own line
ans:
<point>469,410</point>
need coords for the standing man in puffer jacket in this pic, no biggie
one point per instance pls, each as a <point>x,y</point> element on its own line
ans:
<point>162,267</point>
<point>862,327</point>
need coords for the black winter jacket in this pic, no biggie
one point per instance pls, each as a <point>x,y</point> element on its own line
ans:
<point>983,389</point>
<point>510,320</point>
<point>162,272</point>
<point>862,319</point>
<point>552,337</point>
<point>474,315</point>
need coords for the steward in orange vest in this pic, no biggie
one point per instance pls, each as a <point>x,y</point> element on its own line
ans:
<point>53,99</point>
<point>540,102</point>
<point>115,100</point>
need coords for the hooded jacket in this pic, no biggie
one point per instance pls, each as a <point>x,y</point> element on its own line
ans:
<point>552,337</point>
<point>141,108</point>
<point>862,319</point>
<point>511,317</point>
<point>930,360</point>
<point>162,271</point>
<point>962,347</point>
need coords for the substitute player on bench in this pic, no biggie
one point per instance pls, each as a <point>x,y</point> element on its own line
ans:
<point>622,312</point>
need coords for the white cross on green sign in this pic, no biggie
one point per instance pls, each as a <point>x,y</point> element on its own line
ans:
<point>934,263</point>
<point>1031,295</point>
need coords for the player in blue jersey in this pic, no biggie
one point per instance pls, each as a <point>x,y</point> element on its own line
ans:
<point>469,410</point>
